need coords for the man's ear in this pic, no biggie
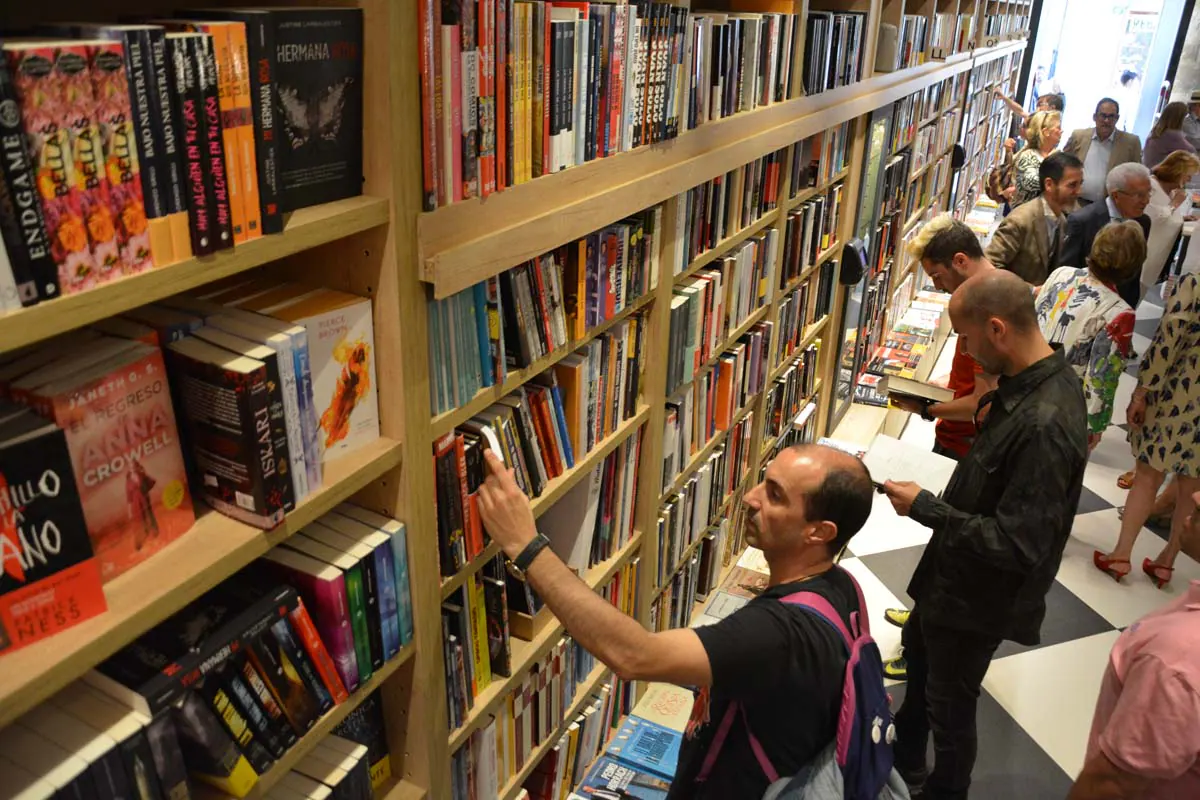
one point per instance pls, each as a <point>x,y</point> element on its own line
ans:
<point>822,532</point>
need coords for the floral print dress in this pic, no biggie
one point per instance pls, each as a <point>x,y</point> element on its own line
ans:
<point>1169,440</point>
<point>1095,327</point>
<point>1026,175</point>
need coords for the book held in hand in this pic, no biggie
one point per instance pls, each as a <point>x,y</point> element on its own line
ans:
<point>919,390</point>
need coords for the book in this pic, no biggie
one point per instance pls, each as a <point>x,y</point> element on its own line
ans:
<point>50,578</point>
<point>365,726</point>
<point>920,390</point>
<point>609,777</point>
<point>890,459</point>
<point>319,89</point>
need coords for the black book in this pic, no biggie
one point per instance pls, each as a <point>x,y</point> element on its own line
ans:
<point>187,102</point>
<point>208,81</point>
<point>295,652</point>
<point>208,749</point>
<point>284,680</point>
<point>318,80</point>
<point>22,225</point>
<point>233,447</point>
<point>213,688</point>
<point>260,41</point>
<point>250,707</point>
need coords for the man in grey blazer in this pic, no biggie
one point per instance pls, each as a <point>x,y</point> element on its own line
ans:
<point>1029,239</point>
<point>1101,148</point>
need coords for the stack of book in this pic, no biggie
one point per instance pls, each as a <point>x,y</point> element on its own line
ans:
<point>335,768</point>
<point>818,158</point>
<point>514,91</point>
<point>717,209</point>
<point>791,391</point>
<point>181,139</point>
<point>811,230</point>
<point>833,50</point>
<point>525,313</point>
<point>913,41</point>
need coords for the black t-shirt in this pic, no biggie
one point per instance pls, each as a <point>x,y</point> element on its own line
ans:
<point>785,666</point>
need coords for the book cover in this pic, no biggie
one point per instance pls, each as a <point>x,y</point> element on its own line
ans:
<point>319,88</point>
<point>341,348</point>
<point>610,778</point>
<point>187,103</point>
<point>365,726</point>
<point>210,753</point>
<point>124,444</point>
<point>41,98</point>
<point>49,577</point>
<point>647,747</point>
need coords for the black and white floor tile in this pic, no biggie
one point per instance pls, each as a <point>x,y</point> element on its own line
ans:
<point>1036,709</point>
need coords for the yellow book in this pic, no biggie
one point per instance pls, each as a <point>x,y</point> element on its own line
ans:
<point>527,115</point>
<point>569,776</point>
<point>479,636</point>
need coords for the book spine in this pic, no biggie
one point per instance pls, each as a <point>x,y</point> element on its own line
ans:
<point>242,121</point>
<point>260,41</point>
<point>186,94</point>
<point>169,132</point>
<point>356,597</point>
<point>214,137</point>
<point>430,164</point>
<point>139,71</point>
<point>217,64</point>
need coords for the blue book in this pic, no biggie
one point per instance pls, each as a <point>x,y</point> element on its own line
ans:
<point>550,381</point>
<point>398,534</point>
<point>647,747</point>
<point>611,778</point>
<point>485,342</point>
<point>380,546</point>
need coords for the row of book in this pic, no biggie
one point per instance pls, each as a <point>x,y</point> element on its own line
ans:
<point>479,335</point>
<point>833,50</point>
<point>934,139</point>
<point>176,138</point>
<point>899,352</point>
<point>950,33</point>
<point>817,159</point>
<point>791,391</point>
<point>224,688</point>
<point>803,307</point>
<point>715,302</point>
<point>811,230</point>
<point>740,62</point>
<point>543,429</point>
<point>717,209</point>
<point>711,402</point>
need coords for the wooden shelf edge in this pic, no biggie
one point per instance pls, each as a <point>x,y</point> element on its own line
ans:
<point>554,490</point>
<point>702,455</point>
<point>490,697</point>
<point>729,242</point>
<point>215,548</point>
<point>322,728</point>
<point>306,228</point>
<point>447,421</point>
<point>598,675</point>
<point>813,191</point>
<point>401,790</point>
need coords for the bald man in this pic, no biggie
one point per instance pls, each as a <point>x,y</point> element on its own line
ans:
<point>782,666</point>
<point>999,529</point>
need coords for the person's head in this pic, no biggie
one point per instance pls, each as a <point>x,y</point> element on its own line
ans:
<point>1176,169</point>
<point>996,323</point>
<point>812,499</point>
<point>1044,130</point>
<point>1117,252</point>
<point>1061,175</point>
<point>1171,119</point>
<point>1129,187</point>
<point>949,252</point>
<point>1051,102</point>
<point>1128,76</point>
<point>1194,103</point>
<point>1108,111</point>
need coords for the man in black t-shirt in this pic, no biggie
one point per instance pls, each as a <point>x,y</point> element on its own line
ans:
<point>783,665</point>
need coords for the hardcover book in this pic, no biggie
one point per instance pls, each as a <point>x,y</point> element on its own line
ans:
<point>610,778</point>
<point>647,747</point>
<point>319,87</point>
<point>365,726</point>
<point>49,577</point>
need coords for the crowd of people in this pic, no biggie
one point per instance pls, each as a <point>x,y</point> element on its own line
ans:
<point>1044,320</point>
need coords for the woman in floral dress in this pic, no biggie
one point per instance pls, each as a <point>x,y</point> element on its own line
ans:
<point>1042,134</point>
<point>1164,429</point>
<point>1081,310</point>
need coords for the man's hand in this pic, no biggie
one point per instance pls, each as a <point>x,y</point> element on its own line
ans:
<point>505,509</point>
<point>905,403</point>
<point>902,494</point>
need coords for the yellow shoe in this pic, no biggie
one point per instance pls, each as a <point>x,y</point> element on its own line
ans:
<point>897,616</point>
<point>896,668</point>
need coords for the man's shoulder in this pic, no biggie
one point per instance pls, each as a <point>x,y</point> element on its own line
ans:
<point>1131,139</point>
<point>1090,213</point>
<point>1080,135</point>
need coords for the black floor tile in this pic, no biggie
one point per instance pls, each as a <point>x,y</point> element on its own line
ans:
<point>894,568</point>
<point>1067,618</point>
<point>1146,327</point>
<point>1010,765</point>
<point>1089,501</point>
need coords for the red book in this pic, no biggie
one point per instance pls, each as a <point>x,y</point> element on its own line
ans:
<point>429,98</point>
<point>486,18</point>
<point>501,74</point>
<point>452,71</point>
<point>317,652</point>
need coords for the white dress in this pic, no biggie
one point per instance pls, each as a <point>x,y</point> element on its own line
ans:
<point>1165,225</point>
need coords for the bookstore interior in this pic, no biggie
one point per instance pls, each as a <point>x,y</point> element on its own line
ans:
<point>604,239</point>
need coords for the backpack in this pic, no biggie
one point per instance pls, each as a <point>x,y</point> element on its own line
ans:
<point>857,765</point>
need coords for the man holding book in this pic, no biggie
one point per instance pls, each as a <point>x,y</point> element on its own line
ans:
<point>999,530</point>
<point>783,666</point>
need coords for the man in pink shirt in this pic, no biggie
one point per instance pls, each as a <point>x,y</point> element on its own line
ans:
<point>1145,740</point>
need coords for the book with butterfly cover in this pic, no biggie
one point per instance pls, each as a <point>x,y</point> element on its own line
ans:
<point>318,80</point>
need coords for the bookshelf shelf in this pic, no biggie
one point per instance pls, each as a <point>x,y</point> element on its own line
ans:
<point>725,245</point>
<point>600,674</point>
<point>323,727</point>
<point>810,334</point>
<point>524,654</point>
<point>697,460</point>
<point>448,421</point>
<point>402,790</point>
<point>554,490</point>
<point>305,229</point>
<point>813,191</point>
<point>215,548</point>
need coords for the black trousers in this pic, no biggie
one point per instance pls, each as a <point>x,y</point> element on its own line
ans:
<point>945,674</point>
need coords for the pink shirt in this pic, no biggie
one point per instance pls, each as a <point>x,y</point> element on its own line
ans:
<point>1148,716</point>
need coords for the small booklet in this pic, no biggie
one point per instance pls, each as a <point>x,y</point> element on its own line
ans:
<point>890,459</point>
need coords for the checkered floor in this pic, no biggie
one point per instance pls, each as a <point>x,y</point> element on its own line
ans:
<point>1036,711</point>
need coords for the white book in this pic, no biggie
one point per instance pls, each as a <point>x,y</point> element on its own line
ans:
<point>9,296</point>
<point>890,459</point>
<point>18,782</point>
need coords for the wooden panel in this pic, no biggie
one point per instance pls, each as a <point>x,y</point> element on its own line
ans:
<point>215,548</point>
<point>306,228</point>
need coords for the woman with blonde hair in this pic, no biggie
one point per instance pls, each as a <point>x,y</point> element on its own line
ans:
<point>1170,205</point>
<point>1082,310</point>
<point>1167,135</point>
<point>1043,132</point>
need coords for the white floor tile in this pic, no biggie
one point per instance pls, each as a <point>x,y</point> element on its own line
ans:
<point>1119,603</point>
<point>1051,692</point>
<point>1140,344</point>
<point>886,530</point>
<point>1149,310</point>
<point>919,433</point>
<point>879,598</point>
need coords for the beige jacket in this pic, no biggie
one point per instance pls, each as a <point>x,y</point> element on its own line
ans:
<point>1126,147</point>
<point>1021,244</point>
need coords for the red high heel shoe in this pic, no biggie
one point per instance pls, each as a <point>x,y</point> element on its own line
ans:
<point>1155,572</point>
<point>1108,565</point>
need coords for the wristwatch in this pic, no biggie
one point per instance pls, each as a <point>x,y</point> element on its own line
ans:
<point>521,563</point>
<point>926,414</point>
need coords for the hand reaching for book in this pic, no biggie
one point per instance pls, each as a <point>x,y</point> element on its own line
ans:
<point>505,509</point>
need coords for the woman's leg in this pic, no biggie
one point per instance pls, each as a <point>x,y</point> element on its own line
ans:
<point>1146,480</point>
<point>1184,505</point>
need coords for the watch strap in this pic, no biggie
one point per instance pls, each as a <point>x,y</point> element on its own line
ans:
<point>526,556</point>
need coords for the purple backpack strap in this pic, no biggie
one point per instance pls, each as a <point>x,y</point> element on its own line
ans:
<point>822,608</point>
<point>718,742</point>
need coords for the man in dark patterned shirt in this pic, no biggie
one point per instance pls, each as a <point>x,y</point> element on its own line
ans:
<point>998,530</point>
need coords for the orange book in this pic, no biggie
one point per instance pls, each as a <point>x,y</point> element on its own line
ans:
<point>724,406</point>
<point>545,434</point>
<point>571,379</point>
<point>242,121</point>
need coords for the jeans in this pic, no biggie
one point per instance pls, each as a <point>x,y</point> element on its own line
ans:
<point>945,675</point>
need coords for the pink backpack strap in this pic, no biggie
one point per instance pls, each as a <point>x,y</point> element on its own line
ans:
<point>714,748</point>
<point>824,608</point>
